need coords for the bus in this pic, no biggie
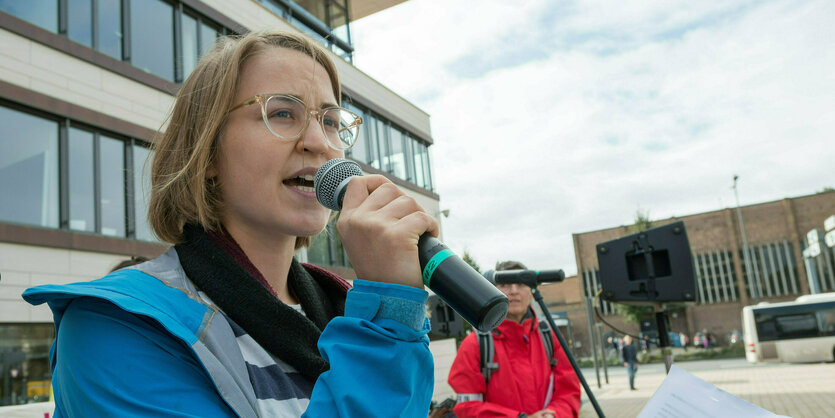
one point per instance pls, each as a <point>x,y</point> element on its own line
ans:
<point>800,331</point>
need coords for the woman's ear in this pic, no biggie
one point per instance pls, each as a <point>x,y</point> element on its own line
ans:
<point>211,171</point>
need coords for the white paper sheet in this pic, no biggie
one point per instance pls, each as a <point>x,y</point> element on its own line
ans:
<point>682,395</point>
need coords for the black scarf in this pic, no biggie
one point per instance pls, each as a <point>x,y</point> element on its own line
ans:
<point>278,328</point>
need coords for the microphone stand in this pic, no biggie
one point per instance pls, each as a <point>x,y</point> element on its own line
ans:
<point>538,297</point>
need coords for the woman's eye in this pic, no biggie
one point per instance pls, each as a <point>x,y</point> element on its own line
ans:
<point>330,123</point>
<point>282,114</point>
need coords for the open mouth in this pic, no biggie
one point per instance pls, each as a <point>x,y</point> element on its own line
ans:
<point>303,183</point>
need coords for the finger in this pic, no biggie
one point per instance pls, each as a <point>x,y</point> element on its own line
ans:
<point>360,187</point>
<point>400,207</point>
<point>418,223</point>
<point>381,197</point>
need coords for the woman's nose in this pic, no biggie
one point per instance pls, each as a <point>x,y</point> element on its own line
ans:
<point>313,138</point>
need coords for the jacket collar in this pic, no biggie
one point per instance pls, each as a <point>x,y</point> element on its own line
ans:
<point>509,326</point>
<point>287,334</point>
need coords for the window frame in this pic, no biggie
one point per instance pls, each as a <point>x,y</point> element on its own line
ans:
<point>63,125</point>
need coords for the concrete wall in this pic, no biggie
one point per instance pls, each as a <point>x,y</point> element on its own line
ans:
<point>443,352</point>
<point>24,266</point>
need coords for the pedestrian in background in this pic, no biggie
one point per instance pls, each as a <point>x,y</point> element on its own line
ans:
<point>630,360</point>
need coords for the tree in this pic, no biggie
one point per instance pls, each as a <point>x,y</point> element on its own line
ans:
<point>642,222</point>
<point>827,189</point>
<point>632,313</point>
<point>469,260</point>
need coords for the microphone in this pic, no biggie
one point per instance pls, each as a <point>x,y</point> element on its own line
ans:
<point>529,278</point>
<point>453,280</point>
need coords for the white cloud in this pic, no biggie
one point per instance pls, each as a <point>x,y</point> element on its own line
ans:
<point>554,118</point>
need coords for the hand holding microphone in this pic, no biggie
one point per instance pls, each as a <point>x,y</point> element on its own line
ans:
<point>380,228</point>
<point>389,238</point>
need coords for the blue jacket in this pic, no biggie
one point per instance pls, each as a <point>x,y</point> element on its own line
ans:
<point>144,344</point>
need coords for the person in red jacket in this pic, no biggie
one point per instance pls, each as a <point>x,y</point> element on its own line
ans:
<point>525,384</point>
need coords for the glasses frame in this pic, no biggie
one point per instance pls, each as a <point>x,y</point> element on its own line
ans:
<point>263,98</point>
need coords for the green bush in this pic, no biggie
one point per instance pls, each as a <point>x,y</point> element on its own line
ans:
<point>732,351</point>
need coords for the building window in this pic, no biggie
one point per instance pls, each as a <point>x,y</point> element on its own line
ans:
<point>397,157</point>
<point>24,361</point>
<point>80,21</point>
<point>97,170</point>
<point>326,248</point>
<point>109,32</point>
<point>715,278</point>
<point>152,38</point>
<point>43,13</point>
<point>98,24</point>
<point>327,21</point>
<point>142,191</point>
<point>198,37</point>
<point>82,181</point>
<point>423,177</point>
<point>385,146</point>
<point>359,151</point>
<point>28,169</point>
<point>773,269</point>
<point>112,175</point>
<point>417,157</point>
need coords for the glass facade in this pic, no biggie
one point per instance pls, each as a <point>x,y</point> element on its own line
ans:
<point>109,28</point>
<point>153,44</point>
<point>82,181</point>
<point>141,176</point>
<point>112,186</point>
<point>152,38</point>
<point>24,363</point>
<point>324,20</point>
<point>80,21</point>
<point>107,188</point>
<point>385,146</point>
<point>43,13</point>
<point>326,248</point>
<point>28,169</point>
<point>97,171</point>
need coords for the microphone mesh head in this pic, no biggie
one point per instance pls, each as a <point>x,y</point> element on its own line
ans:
<point>328,178</point>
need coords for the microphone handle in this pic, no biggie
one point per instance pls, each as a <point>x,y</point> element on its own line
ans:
<point>460,286</point>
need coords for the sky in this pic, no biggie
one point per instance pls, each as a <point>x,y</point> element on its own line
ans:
<point>558,117</point>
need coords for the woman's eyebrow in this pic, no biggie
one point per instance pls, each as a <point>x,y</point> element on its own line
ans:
<point>322,106</point>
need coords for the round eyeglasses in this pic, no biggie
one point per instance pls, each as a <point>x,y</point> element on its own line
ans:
<point>287,116</point>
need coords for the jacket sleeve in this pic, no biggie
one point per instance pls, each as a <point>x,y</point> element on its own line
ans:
<point>380,363</point>
<point>565,400</point>
<point>465,378</point>
<point>92,379</point>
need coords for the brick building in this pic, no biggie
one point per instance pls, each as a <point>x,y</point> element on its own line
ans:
<point>777,235</point>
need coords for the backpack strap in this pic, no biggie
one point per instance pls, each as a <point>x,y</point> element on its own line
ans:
<point>547,341</point>
<point>488,353</point>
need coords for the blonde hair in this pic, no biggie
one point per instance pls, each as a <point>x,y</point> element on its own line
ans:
<point>180,191</point>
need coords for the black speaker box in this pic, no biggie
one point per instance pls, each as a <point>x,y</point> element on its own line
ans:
<point>445,322</point>
<point>652,266</point>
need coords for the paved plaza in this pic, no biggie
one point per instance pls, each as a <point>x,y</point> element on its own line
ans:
<point>796,390</point>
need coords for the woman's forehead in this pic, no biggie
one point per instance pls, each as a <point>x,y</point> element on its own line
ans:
<point>282,70</point>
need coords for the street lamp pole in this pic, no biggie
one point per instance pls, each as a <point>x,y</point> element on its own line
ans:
<point>745,253</point>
